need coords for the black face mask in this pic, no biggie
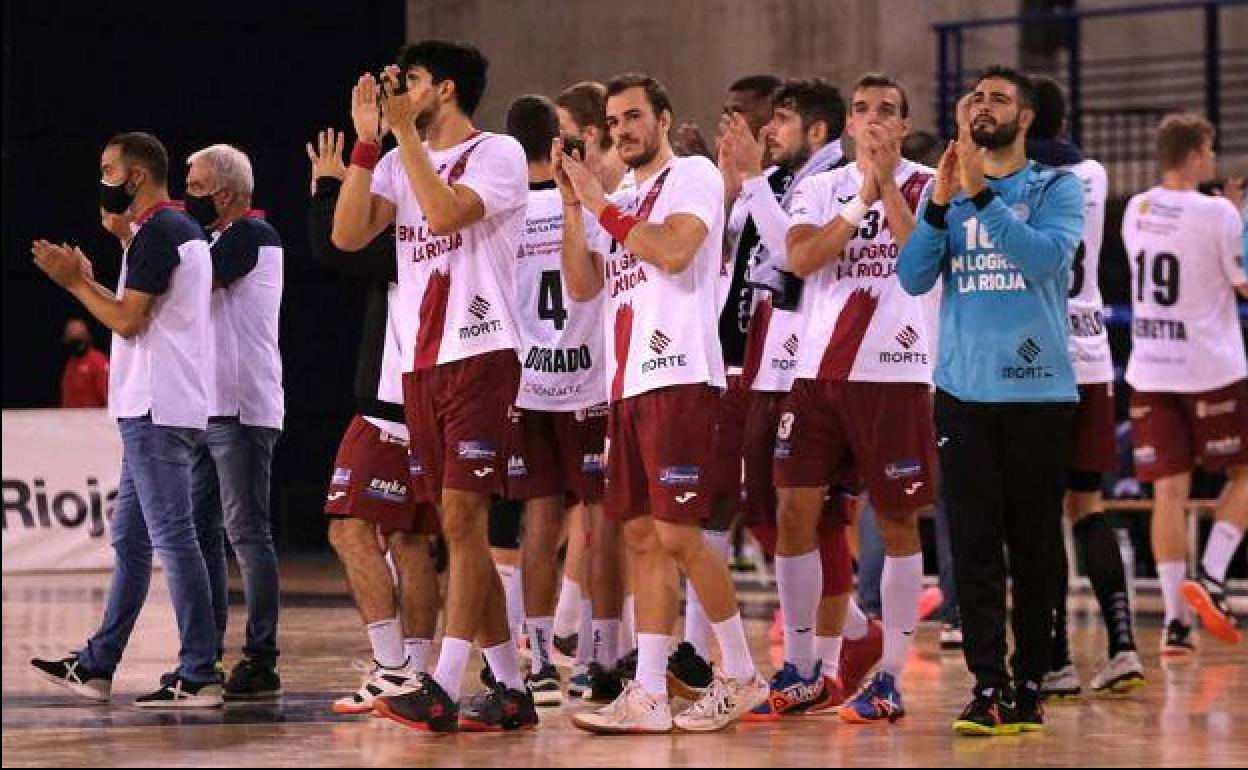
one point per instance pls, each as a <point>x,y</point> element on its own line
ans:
<point>115,198</point>
<point>77,348</point>
<point>201,209</point>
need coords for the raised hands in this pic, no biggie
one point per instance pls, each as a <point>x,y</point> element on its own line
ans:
<point>365,109</point>
<point>575,181</point>
<point>66,265</point>
<point>326,156</point>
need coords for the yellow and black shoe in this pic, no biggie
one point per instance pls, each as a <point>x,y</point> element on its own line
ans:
<point>1028,711</point>
<point>987,714</point>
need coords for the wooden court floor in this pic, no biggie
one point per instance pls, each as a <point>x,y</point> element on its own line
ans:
<point>1189,715</point>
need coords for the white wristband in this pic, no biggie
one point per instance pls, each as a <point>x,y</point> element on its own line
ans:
<point>854,211</point>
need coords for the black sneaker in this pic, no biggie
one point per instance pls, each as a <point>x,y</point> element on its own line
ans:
<point>688,674</point>
<point>566,644</point>
<point>69,673</point>
<point>253,679</point>
<point>427,707</point>
<point>1208,597</point>
<point>1028,711</point>
<point>487,676</point>
<point>498,710</point>
<point>1179,641</point>
<point>986,714</point>
<point>545,685</point>
<point>178,693</point>
<point>626,668</point>
<point>604,684</point>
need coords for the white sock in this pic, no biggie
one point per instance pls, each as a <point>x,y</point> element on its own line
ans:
<point>540,630</point>
<point>585,633</point>
<point>386,638</point>
<point>800,582</point>
<point>513,591</point>
<point>652,651</point>
<point>1223,542</point>
<point>697,626</point>
<point>417,654</point>
<point>828,650</point>
<point>606,642</point>
<point>1172,574</point>
<point>855,622</point>
<point>721,542</point>
<point>734,648</point>
<point>568,607</point>
<point>452,662</point>
<point>505,664</point>
<point>900,586</point>
<point>628,625</point>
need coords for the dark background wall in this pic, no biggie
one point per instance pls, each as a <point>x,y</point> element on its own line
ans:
<point>263,75</point>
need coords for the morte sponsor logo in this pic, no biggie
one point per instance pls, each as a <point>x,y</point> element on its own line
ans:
<point>907,337</point>
<point>1027,372</point>
<point>35,507</point>
<point>1087,324</point>
<point>659,341</point>
<point>559,360</point>
<point>791,345</point>
<point>1029,351</point>
<point>479,307</point>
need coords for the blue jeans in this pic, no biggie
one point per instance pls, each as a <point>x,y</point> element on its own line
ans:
<point>871,562</point>
<point>153,512</point>
<point>230,494</point>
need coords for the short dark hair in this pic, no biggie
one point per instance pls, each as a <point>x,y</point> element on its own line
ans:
<point>761,86</point>
<point>876,80</point>
<point>1050,108</point>
<point>814,100</point>
<point>532,120</point>
<point>656,94</point>
<point>1179,135</point>
<point>1026,88</point>
<point>460,63</point>
<point>142,149</point>
<point>587,103</point>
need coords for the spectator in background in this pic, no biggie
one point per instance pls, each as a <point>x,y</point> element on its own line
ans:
<point>84,385</point>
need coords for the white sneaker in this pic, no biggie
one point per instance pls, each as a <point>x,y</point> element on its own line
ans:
<point>634,712</point>
<point>379,682</point>
<point>1119,675</point>
<point>1062,683</point>
<point>724,702</point>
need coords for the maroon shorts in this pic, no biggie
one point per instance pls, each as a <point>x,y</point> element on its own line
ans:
<point>371,481</point>
<point>730,421</point>
<point>660,446</point>
<point>553,454</point>
<point>1172,432</point>
<point>1094,447</point>
<point>457,415</point>
<point>879,432</point>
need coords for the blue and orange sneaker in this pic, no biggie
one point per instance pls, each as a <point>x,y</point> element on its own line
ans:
<point>876,701</point>
<point>789,693</point>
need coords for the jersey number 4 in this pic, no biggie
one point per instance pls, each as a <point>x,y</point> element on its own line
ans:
<point>550,299</point>
<point>1164,274</point>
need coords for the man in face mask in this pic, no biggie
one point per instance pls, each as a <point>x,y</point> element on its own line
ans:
<point>230,477</point>
<point>84,385</point>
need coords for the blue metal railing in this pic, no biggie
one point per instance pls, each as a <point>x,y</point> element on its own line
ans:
<point>952,72</point>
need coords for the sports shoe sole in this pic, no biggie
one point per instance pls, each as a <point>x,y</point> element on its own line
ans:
<point>192,702</point>
<point>1123,685</point>
<point>350,709</point>
<point>852,717</point>
<point>380,709</point>
<point>598,729</point>
<point>253,696</point>
<point>81,690</point>
<point>547,698</point>
<point>962,727</point>
<point>467,725</point>
<point>1216,623</point>
<point>1062,695</point>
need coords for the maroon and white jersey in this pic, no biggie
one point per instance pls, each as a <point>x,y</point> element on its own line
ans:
<point>861,324</point>
<point>560,338</point>
<point>662,329</point>
<point>456,290</point>
<point>1089,341</point>
<point>775,340</point>
<point>1186,255</point>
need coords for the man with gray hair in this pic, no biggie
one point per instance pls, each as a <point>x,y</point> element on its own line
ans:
<point>230,476</point>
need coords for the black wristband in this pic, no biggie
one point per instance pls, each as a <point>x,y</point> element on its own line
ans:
<point>935,214</point>
<point>983,198</point>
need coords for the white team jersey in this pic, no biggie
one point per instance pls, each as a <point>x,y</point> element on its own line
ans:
<point>390,378</point>
<point>561,339</point>
<point>773,368</point>
<point>1185,254</point>
<point>1089,342</point>
<point>663,329</point>
<point>862,325</point>
<point>455,290</point>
